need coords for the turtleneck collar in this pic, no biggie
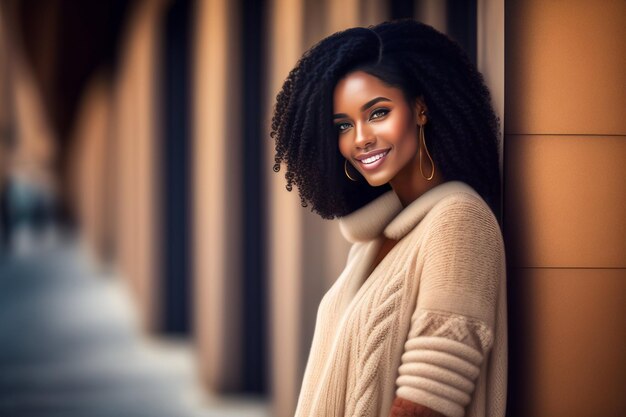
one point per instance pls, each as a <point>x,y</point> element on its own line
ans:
<point>385,214</point>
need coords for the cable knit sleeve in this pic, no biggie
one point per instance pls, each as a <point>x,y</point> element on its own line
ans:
<point>451,329</point>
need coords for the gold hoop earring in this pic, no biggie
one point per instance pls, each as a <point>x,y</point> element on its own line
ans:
<point>422,141</point>
<point>345,169</point>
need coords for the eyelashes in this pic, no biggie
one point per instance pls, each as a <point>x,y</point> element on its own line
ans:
<point>379,113</point>
<point>376,114</point>
<point>342,127</point>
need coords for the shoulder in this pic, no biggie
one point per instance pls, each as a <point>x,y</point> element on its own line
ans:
<point>463,209</point>
<point>463,220</point>
<point>461,200</point>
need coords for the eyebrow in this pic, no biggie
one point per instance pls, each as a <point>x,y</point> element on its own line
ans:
<point>364,107</point>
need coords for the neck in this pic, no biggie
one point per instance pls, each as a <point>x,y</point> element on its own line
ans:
<point>409,183</point>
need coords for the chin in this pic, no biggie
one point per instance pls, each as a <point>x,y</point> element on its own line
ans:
<point>377,180</point>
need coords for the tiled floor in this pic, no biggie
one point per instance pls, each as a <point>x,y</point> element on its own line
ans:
<point>70,346</point>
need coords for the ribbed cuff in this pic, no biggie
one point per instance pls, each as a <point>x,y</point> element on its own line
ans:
<point>439,373</point>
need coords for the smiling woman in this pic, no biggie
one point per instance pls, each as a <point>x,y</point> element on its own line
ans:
<point>379,135</point>
<point>390,128</point>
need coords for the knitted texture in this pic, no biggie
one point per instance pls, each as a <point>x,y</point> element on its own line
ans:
<point>428,324</point>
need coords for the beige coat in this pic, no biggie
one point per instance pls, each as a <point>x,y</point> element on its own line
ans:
<point>427,325</point>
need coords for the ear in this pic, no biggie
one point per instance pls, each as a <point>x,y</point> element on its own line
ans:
<point>421,110</point>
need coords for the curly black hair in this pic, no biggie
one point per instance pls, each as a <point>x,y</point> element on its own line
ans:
<point>461,132</point>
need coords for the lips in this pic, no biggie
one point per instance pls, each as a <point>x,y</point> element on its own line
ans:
<point>372,160</point>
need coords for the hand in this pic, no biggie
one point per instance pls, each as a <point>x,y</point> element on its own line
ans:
<point>406,408</point>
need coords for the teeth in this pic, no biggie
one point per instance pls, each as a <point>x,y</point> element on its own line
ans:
<point>373,158</point>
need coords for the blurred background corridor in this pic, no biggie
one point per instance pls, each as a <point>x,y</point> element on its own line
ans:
<point>153,264</point>
<point>72,347</point>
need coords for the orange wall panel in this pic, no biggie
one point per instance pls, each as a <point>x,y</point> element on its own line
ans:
<point>565,65</point>
<point>565,201</point>
<point>575,327</point>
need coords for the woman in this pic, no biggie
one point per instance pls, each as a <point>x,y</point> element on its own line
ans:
<point>390,129</point>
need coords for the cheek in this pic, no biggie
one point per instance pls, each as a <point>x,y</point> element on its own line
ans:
<point>344,146</point>
<point>399,131</point>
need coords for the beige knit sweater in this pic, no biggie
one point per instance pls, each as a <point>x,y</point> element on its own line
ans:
<point>428,324</point>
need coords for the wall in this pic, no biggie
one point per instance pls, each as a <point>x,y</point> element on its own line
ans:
<point>565,206</point>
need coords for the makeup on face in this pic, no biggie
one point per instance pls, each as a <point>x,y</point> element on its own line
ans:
<point>376,127</point>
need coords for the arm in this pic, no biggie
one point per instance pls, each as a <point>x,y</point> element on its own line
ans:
<point>452,326</point>
<point>406,408</point>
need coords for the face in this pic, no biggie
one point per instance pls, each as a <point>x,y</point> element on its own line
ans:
<point>377,128</point>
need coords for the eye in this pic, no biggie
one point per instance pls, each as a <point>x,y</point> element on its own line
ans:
<point>379,113</point>
<point>342,127</point>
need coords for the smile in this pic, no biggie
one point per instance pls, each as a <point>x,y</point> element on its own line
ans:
<point>373,161</point>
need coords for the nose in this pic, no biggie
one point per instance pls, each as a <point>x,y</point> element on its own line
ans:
<point>364,136</point>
